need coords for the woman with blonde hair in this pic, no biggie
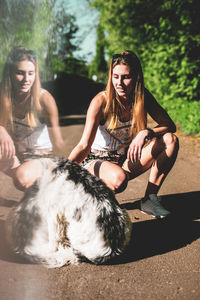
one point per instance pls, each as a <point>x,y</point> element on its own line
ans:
<point>116,144</point>
<point>29,125</point>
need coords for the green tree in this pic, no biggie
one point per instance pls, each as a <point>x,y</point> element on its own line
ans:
<point>166,36</point>
<point>98,66</point>
<point>25,23</point>
<point>62,45</point>
<point>40,26</point>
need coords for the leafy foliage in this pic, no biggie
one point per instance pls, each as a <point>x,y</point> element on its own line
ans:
<point>59,56</point>
<point>25,23</point>
<point>98,66</point>
<point>165,35</point>
<point>39,26</point>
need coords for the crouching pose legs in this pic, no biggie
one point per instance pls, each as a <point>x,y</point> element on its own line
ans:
<point>117,145</point>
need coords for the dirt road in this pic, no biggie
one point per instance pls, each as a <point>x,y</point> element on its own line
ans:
<point>163,261</point>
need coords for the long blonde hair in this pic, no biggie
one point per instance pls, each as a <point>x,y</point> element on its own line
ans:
<point>6,89</point>
<point>113,104</point>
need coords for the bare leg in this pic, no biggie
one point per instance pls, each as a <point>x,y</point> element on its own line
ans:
<point>25,174</point>
<point>8,164</point>
<point>111,174</point>
<point>159,155</point>
<point>163,163</point>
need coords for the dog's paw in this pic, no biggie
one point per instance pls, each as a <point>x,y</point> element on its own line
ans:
<point>62,257</point>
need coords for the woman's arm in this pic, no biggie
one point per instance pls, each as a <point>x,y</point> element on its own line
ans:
<point>7,147</point>
<point>50,114</point>
<point>93,118</point>
<point>158,114</point>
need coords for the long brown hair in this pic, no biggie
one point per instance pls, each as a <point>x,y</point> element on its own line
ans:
<point>113,103</point>
<point>6,89</point>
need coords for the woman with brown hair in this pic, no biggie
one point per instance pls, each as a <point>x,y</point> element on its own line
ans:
<point>116,144</point>
<point>29,125</point>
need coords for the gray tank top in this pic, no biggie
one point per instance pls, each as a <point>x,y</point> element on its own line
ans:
<point>30,139</point>
<point>118,139</point>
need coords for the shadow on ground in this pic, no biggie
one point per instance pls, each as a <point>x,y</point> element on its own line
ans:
<point>185,205</point>
<point>149,238</point>
<point>5,252</point>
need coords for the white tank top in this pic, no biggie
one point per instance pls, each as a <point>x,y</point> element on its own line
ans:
<point>30,139</point>
<point>118,139</point>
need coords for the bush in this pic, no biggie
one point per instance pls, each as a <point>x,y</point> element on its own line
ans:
<point>185,114</point>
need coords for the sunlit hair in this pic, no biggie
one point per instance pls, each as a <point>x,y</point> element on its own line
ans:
<point>6,89</point>
<point>114,106</point>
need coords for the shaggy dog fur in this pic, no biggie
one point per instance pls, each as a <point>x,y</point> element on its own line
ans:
<point>68,216</point>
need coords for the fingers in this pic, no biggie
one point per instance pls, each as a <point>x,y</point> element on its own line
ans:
<point>135,148</point>
<point>134,153</point>
<point>7,150</point>
<point>138,154</point>
<point>7,147</point>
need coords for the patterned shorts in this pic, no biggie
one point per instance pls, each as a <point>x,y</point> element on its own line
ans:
<point>112,156</point>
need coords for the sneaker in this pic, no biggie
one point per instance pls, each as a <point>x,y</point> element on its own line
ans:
<point>152,206</point>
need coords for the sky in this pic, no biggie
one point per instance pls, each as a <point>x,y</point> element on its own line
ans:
<point>87,20</point>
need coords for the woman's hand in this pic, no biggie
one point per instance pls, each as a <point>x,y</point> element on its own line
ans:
<point>51,116</point>
<point>7,147</point>
<point>135,148</point>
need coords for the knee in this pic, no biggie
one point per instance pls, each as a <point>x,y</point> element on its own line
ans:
<point>25,176</point>
<point>119,182</point>
<point>7,164</point>
<point>22,179</point>
<point>171,140</point>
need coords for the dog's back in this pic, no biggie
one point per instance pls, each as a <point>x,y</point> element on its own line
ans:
<point>67,216</point>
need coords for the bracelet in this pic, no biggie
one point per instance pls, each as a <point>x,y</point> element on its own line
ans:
<point>151,134</point>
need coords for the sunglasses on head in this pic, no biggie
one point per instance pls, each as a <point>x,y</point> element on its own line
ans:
<point>32,53</point>
<point>19,53</point>
<point>29,52</point>
<point>125,56</point>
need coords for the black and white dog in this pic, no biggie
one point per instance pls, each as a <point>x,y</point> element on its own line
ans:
<point>66,217</point>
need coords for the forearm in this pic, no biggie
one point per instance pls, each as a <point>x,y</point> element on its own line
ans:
<point>3,130</point>
<point>56,140</point>
<point>7,147</point>
<point>59,148</point>
<point>150,132</point>
<point>159,130</point>
<point>79,153</point>
<point>159,115</point>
